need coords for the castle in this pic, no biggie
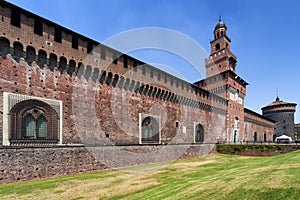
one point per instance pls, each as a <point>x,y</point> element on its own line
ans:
<point>69,104</point>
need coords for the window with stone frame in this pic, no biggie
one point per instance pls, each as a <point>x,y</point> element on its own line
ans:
<point>150,130</point>
<point>33,121</point>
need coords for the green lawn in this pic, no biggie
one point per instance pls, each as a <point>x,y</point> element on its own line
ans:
<point>211,177</point>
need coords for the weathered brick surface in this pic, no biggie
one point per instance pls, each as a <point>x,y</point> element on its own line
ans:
<point>102,103</point>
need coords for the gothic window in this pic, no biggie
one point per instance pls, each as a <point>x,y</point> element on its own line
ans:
<point>150,130</point>
<point>33,121</point>
<point>199,133</point>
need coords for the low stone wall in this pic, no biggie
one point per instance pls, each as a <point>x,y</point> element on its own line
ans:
<point>27,163</point>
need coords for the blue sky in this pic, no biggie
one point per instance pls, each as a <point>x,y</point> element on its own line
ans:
<point>264,35</point>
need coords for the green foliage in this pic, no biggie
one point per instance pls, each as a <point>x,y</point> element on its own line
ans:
<point>232,149</point>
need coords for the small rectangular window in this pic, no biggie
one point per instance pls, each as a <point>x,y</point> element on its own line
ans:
<point>38,27</point>
<point>166,78</point>
<point>89,47</point>
<point>15,18</point>
<point>103,53</point>
<point>74,42</point>
<point>158,76</point>
<point>57,35</point>
<point>151,73</point>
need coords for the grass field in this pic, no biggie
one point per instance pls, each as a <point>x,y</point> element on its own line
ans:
<point>211,177</point>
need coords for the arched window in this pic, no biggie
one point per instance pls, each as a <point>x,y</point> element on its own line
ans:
<point>33,120</point>
<point>265,137</point>
<point>199,133</point>
<point>18,51</point>
<point>150,130</point>
<point>30,55</point>
<point>217,47</point>
<point>4,46</point>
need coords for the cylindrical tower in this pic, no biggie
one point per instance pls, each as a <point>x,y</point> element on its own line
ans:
<point>283,114</point>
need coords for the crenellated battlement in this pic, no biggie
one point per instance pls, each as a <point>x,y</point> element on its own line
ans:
<point>41,42</point>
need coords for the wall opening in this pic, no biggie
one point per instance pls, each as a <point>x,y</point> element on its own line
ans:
<point>199,133</point>
<point>15,18</point>
<point>57,35</point>
<point>38,27</point>
<point>74,42</point>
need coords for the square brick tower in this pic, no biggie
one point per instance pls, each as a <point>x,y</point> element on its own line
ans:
<point>221,79</point>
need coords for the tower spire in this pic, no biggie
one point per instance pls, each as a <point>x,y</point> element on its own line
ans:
<point>277,98</point>
<point>220,18</point>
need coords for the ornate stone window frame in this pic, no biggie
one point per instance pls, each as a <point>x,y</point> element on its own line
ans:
<point>17,106</point>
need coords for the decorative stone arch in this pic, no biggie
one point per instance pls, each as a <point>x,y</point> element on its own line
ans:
<point>17,51</point>
<point>4,46</point>
<point>35,110</point>
<point>30,54</point>
<point>42,58</point>
<point>149,129</point>
<point>198,133</point>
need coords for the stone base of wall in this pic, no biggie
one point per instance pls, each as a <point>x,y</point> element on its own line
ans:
<point>27,163</point>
